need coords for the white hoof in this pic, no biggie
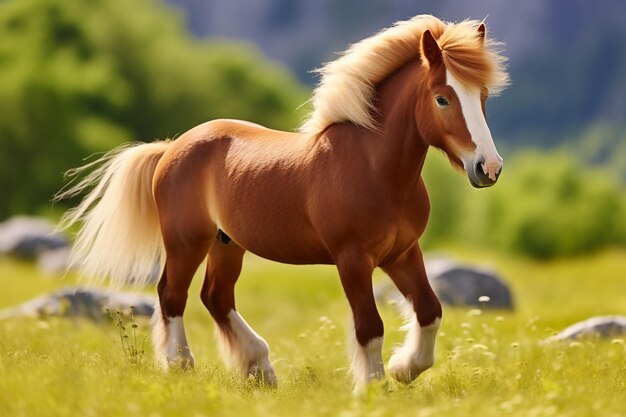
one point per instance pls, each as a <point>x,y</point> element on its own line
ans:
<point>242,348</point>
<point>263,374</point>
<point>183,359</point>
<point>417,354</point>
<point>406,369</point>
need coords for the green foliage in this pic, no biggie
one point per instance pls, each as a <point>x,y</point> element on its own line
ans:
<point>83,76</point>
<point>545,205</point>
<point>565,211</point>
<point>447,190</point>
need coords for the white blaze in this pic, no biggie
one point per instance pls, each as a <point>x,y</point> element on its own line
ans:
<point>477,126</point>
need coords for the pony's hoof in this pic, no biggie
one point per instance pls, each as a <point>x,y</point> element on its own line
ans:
<point>375,385</point>
<point>183,361</point>
<point>264,376</point>
<point>406,370</point>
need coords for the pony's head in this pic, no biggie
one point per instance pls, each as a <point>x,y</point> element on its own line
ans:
<point>462,69</point>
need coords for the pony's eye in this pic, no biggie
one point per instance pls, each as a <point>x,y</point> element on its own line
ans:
<point>441,102</point>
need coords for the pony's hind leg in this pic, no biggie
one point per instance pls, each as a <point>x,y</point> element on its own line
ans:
<point>355,271</point>
<point>240,346</point>
<point>169,337</point>
<point>418,351</point>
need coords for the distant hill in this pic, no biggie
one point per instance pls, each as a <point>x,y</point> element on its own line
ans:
<point>567,57</point>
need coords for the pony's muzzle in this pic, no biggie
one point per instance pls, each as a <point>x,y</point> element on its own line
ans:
<point>484,174</point>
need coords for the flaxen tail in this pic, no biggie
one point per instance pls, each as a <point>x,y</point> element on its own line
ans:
<point>120,237</point>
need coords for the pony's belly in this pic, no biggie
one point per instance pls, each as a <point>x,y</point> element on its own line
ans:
<point>288,250</point>
<point>300,258</point>
<point>267,215</point>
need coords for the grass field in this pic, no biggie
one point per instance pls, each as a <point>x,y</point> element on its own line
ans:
<point>488,364</point>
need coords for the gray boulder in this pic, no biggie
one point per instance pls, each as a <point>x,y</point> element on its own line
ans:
<point>54,261</point>
<point>26,237</point>
<point>462,285</point>
<point>90,303</point>
<point>600,326</point>
<point>457,285</point>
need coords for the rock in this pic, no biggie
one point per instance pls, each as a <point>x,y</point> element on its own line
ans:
<point>82,302</point>
<point>55,261</point>
<point>457,285</point>
<point>26,237</point>
<point>386,292</point>
<point>462,285</point>
<point>600,326</point>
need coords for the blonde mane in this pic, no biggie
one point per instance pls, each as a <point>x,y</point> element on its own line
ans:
<point>348,85</point>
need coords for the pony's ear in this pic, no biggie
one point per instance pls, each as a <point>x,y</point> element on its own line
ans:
<point>430,49</point>
<point>482,30</point>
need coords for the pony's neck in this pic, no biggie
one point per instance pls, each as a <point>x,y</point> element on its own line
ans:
<point>405,149</point>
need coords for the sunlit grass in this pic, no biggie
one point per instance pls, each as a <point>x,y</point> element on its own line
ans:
<point>488,363</point>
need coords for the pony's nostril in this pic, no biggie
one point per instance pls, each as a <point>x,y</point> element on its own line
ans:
<point>486,174</point>
<point>478,169</point>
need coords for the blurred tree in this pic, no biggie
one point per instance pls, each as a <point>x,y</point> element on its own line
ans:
<point>83,76</point>
<point>555,206</point>
<point>447,191</point>
<point>545,205</point>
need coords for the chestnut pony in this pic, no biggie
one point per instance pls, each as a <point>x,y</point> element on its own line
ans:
<point>345,190</point>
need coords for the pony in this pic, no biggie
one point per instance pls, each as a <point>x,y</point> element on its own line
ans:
<point>346,189</point>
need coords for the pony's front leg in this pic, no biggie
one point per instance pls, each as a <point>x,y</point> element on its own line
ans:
<point>418,351</point>
<point>355,271</point>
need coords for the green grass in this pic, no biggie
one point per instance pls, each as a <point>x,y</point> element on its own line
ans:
<point>488,364</point>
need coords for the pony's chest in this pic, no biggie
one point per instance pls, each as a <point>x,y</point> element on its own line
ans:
<point>400,235</point>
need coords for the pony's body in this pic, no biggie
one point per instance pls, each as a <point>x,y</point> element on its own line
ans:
<point>346,191</point>
<point>290,198</point>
